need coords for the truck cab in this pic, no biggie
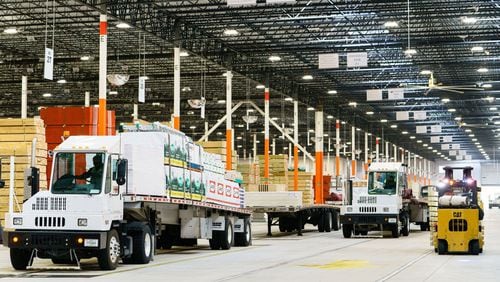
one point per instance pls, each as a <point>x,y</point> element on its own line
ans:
<point>377,204</point>
<point>77,217</point>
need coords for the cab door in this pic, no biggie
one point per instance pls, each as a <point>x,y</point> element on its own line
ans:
<point>113,192</point>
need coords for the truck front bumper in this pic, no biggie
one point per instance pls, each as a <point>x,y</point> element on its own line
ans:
<point>35,239</point>
<point>369,219</point>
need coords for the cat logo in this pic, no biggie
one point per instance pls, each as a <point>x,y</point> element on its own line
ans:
<point>457,214</point>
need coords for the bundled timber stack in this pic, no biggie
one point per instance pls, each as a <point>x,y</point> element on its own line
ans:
<point>305,185</point>
<point>250,172</point>
<point>278,169</point>
<point>219,147</point>
<point>16,136</point>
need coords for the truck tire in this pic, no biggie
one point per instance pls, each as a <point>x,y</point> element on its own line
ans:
<point>327,221</point>
<point>442,247</point>
<point>244,239</point>
<point>321,222</point>
<point>335,221</point>
<point>109,257</point>
<point>227,236</point>
<point>406,225</point>
<point>215,241</point>
<point>142,246</point>
<point>474,248</point>
<point>282,223</point>
<point>347,230</point>
<point>20,258</point>
<point>395,230</point>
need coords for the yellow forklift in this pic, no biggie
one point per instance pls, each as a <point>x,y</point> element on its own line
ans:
<point>459,226</point>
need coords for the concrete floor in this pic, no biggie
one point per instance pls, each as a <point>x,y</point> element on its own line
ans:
<point>313,257</point>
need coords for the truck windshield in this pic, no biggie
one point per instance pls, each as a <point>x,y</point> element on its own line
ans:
<point>77,173</point>
<point>382,183</point>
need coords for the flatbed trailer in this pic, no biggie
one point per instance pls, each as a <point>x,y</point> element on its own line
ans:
<point>293,218</point>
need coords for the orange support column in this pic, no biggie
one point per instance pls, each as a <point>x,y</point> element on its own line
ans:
<point>353,153</point>
<point>337,148</point>
<point>103,61</point>
<point>365,166</point>
<point>318,189</point>
<point>266,135</point>
<point>295,148</point>
<point>229,130</point>
<point>177,88</point>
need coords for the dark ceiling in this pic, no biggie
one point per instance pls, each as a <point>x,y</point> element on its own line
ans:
<point>297,32</point>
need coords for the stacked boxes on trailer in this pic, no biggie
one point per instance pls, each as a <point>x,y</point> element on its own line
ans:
<point>115,197</point>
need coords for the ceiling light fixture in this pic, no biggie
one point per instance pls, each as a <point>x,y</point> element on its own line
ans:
<point>329,117</point>
<point>221,101</point>
<point>307,77</point>
<point>487,85</point>
<point>469,20</point>
<point>404,132</point>
<point>331,92</point>
<point>426,72</point>
<point>289,99</point>
<point>260,86</point>
<point>62,81</point>
<point>231,32</point>
<point>493,108</point>
<point>369,113</point>
<point>123,25</point>
<point>468,130</point>
<point>391,24</point>
<point>84,58</point>
<point>383,120</point>
<point>310,109</point>
<point>353,104</point>
<point>10,30</point>
<point>410,52</point>
<point>445,100</point>
<point>46,95</point>
<point>274,58</point>
<point>394,126</point>
<point>482,70</point>
<point>184,54</point>
<point>477,49</point>
<point>452,110</point>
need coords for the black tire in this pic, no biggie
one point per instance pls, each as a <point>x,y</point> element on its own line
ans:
<point>347,230</point>
<point>20,258</point>
<point>227,236</point>
<point>282,223</point>
<point>321,222</point>
<point>364,233</point>
<point>442,247</point>
<point>142,246</point>
<point>395,230</point>
<point>327,221</point>
<point>244,239</point>
<point>335,221</point>
<point>109,257</point>
<point>215,241</point>
<point>474,247</point>
<point>405,231</point>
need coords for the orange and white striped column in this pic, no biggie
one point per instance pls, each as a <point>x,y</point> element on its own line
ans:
<point>353,152</point>
<point>377,149</point>
<point>318,192</point>
<point>177,88</point>
<point>103,63</point>
<point>266,135</point>
<point>295,143</point>
<point>337,148</point>
<point>365,165</point>
<point>229,127</point>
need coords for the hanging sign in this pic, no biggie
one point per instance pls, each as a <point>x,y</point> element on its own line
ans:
<point>142,89</point>
<point>421,129</point>
<point>434,139</point>
<point>419,115</point>
<point>455,146</point>
<point>373,95</point>
<point>435,128</point>
<point>357,60</point>
<point>447,139</point>
<point>396,93</point>
<point>445,146</point>
<point>48,69</point>
<point>328,61</point>
<point>237,3</point>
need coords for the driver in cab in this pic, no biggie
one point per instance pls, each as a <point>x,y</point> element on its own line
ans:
<point>95,172</point>
<point>390,183</point>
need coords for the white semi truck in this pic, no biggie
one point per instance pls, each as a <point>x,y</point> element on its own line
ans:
<point>153,189</point>
<point>378,204</point>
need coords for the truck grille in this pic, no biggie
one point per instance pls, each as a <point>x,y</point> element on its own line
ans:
<point>56,204</point>
<point>50,221</point>
<point>368,209</point>
<point>52,240</point>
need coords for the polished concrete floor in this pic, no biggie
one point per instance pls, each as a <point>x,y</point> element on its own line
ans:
<point>313,257</point>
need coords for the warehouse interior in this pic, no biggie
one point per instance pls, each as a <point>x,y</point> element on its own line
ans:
<point>275,83</point>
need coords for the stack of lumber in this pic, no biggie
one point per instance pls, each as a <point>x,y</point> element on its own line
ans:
<point>433,213</point>
<point>250,172</point>
<point>305,185</point>
<point>16,137</point>
<point>278,169</point>
<point>219,147</point>
<point>266,188</point>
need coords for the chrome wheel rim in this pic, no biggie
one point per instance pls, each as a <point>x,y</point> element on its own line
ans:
<point>229,234</point>
<point>248,235</point>
<point>147,245</point>
<point>114,249</point>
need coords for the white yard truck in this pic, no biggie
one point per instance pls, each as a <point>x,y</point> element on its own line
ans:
<point>152,189</point>
<point>377,204</point>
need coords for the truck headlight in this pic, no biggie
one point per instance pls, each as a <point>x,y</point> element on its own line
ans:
<point>17,221</point>
<point>82,222</point>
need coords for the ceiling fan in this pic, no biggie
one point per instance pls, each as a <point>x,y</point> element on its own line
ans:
<point>432,85</point>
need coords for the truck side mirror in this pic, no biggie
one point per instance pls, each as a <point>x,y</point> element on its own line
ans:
<point>122,166</point>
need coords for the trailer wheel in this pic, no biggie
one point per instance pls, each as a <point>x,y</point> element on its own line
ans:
<point>406,225</point>
<point>108,258</point>
<point>282,223</point>
<point>227,236</point>
<point>347,230</point>
<point>244,239</point>
<point>327,216</point>
<point>474,247</point>
<point>20,258</point>
<point>321,222</point>
<point>215,241</point>
<point>335,221</point>
<point>442,247</point>
<point>143,244</point>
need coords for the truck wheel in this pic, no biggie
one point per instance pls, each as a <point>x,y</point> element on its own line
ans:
<point>108,257</point>
<point>321,222</point>
<point>442,247</point>
<point>474,247</point>
<point>406,225</point>
<point>347,230</point>
<point>335,221</point>
<point>142,246</point>
<point>282,223</point>
<point>327,216</point>
<point>227,236</point>
<point>215,241</point>
<point>20,258</point>
<point>395,230</point>
<point>244,239</point>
